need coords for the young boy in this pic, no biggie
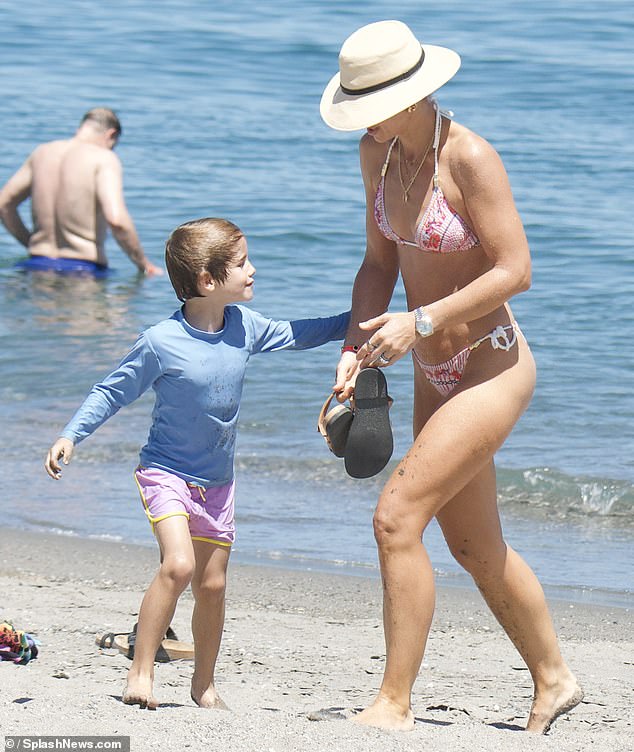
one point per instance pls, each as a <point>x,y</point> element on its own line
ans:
<point>195,361</point>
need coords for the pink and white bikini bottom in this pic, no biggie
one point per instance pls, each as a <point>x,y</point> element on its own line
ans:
<point>446,376</point>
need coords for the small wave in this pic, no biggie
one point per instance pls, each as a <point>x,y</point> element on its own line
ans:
<point>564,495</point>
<point>108,538</point>
<point>542,491</point>
<point>48,526</point>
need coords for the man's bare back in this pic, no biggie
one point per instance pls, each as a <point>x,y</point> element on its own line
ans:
<point>76,190</point>
<point>67,218</point>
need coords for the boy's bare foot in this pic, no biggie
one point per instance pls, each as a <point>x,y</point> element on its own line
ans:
<point>138,691</point>
<point>385,714</point>
<point>209,699</point>
<point>558,700</point>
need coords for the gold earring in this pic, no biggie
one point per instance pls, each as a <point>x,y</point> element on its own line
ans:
<point>411,108</point>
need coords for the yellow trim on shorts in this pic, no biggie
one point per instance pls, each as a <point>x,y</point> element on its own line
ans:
<point>154,520</point>
<point>212,540</point>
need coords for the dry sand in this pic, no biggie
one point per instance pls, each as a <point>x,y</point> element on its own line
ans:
<point>294,643</point>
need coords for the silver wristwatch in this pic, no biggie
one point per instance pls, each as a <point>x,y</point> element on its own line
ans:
<point>424,324</point>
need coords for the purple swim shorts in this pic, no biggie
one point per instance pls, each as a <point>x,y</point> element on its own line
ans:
<point>210,511</point>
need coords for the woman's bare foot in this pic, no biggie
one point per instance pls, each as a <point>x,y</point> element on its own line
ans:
<point>208,699</point>
<point>551,703</point>
<point>385,714</point>
<point>138,691</point>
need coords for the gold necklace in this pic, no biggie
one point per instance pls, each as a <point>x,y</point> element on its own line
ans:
<point>407,189</point>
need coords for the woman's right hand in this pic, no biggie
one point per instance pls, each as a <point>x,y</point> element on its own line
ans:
<point>347,371</point>
<point>61,449</point>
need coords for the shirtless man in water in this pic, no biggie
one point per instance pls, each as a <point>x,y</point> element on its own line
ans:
<point>76,190</point>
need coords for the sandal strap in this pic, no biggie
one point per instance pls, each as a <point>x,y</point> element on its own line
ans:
<point>131,643</point>
<point>321,427</point>
<point>368,402</point>
<point>107,639</point>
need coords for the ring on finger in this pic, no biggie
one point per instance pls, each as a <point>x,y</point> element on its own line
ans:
<point>383,359</point>
<point>371,347</point>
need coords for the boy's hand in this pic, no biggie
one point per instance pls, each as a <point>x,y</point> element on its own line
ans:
<point>62,448</point>
<point>347,370</point>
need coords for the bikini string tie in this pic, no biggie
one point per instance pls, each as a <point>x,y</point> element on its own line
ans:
<point>499,338</point>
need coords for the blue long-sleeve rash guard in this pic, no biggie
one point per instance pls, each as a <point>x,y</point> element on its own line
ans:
<point>197,377</point>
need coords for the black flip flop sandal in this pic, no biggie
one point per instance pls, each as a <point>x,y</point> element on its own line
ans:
<point>370,444</point>
<point>106,640</point>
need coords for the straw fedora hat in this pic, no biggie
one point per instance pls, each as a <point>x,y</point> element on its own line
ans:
<point>383,69</point>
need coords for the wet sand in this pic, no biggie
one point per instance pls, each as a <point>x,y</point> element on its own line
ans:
<point>295,643</point>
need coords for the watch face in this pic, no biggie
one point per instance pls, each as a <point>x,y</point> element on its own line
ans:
<point>424,325</point>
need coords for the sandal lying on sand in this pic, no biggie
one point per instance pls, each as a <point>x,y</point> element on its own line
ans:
<point>106,639</point>
<point>171,649</point>
<point>369,445</point>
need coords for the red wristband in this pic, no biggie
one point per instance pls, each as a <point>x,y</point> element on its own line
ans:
<point>349,348</point>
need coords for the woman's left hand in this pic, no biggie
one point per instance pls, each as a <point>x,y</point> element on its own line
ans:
<point>394,337</point>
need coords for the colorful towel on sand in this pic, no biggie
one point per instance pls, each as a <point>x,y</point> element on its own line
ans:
<point>16,645</point>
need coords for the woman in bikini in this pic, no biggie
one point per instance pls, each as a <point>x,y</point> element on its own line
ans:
<point>440,211</point>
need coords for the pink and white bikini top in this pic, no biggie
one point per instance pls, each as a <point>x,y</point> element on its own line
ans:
<point>441,229</point>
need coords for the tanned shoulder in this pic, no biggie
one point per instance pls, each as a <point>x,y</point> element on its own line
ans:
<point>472,159</point>
<point>371,155</point>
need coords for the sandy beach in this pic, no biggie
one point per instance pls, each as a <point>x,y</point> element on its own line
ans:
<point>295,643</point>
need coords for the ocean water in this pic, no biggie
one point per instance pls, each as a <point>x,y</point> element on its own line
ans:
<point>219,104</point>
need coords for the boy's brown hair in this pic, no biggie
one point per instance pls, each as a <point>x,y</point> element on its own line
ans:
<point>207,244</point>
